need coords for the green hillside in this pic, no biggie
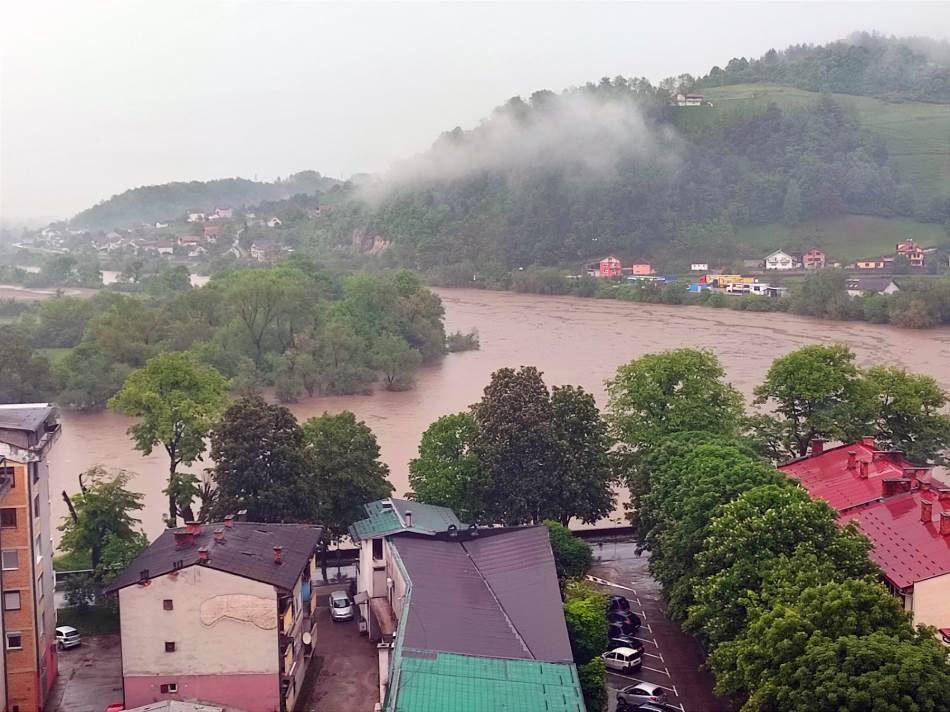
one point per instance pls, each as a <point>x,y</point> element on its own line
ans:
<point>917,135</point>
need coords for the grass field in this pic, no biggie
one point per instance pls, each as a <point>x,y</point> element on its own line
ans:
<point>917,134</point>
<point>844,238</point>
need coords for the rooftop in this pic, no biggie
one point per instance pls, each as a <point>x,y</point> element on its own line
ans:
<point>870,284</point>
<point>246,549</point>
<point>832,476</point>
<point>387,516</point>
<point>27,426</point>
<point>908,545</point>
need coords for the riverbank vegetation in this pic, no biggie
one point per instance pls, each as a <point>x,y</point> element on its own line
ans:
<point>297,327</point>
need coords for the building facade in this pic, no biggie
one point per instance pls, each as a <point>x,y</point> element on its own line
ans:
<point>27,432</point>
<point>221,613</point>
<point>610,267</point>
<point>912,251</point>
<point>780,260</point>
<point>813,259</point>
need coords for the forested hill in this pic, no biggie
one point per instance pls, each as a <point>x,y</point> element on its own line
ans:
<point>915,68</point>
<point>172,200</point>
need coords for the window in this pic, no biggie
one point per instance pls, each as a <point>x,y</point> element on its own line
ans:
<point>36,474</point>
<point>39,587</point>
<point>36,506</point>
<point>10,559</point>
<point>11,600</point>
<point>9,473</point>
<point>14,641</point>
<point>377,549</point>
<point>169,646</point>
<point>168,604</point>
<point>169,688</point>
<point>38,547</point>
<point>8,518</point>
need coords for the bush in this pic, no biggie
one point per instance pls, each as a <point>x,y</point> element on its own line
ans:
<point>457,341</point>
<point>584,609</point>
<point>572,557</point>
<point>593,679</point>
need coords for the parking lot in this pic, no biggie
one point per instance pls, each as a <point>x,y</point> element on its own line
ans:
<point>671,658</point>
<point>90,676</point>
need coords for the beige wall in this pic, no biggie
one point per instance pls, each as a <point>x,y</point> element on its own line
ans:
<point>931,601</point>
<point>221,624</point>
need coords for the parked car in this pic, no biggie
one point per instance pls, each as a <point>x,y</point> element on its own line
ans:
<point>67,637</point>
<point>341,606</point>
<point>618,603</point>
<point>624,641</point>
<point>626,619</point>
<point>623,659</point>
<point>635,696</point>
<point>655,707</point>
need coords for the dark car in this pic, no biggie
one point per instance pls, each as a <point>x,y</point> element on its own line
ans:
<point>634,697</point>
<point>618,603</point>
<point>624,641</point>
<point>627,619</point>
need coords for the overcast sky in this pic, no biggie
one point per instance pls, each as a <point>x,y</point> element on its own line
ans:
<point>97,97</point>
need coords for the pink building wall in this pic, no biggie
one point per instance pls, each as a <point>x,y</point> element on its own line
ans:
<point>253,693</point>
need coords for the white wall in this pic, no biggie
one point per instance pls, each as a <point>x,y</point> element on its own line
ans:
<point>931,602</point>
<point>221,624</point>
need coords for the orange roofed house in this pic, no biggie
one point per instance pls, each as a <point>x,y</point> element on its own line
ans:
<point>901,508</point>
<point>912,251</point>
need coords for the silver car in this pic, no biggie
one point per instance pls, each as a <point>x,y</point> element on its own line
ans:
<point>67,637</point>
<point>341,606</point>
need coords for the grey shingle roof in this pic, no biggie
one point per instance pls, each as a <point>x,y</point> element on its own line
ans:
<point>247,550</point>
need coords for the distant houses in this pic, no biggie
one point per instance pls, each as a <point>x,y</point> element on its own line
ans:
<point>813,259</point>
<point>689,100</point>
<point>858,286</point>
<point>265,251</point>
<point>780,260</point>
<point>912,251</point>
<point>699,267</point>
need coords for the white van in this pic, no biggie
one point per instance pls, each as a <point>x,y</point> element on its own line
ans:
<point>623,659</point>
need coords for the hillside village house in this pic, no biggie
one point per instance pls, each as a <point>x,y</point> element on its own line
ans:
<point>457,612</point>
<point>28,656</point>
<point>699,267</point>
<point>641,268</point>
<point>220,613</point>
<point>874,263</point>
<point>265,251</point>
<point>274,222</point>
<point>780,260</point>
<point>211,233</point>
<point>813,259</point>
<point>689,100</point>
<point>900,507</point>
<point>223,213</point>
<point>858,286</point>
<point>189,240</point>
<point>165,247</point>
<point>912,251</point>
<point>610,267</point>
<point>196,217</point>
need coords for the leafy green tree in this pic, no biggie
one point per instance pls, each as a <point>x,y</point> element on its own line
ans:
<point>593,678</point>
<point>345,470</point>
<point>584,607</point>
<point>178,401</point>
<point>129,332</point>
<point>261,463</point>
<point>396,360</point>
<point>342,361</point>
<point>669,392</point>
<point>102,514</point>
<point>88,377</point>
<point>908,413</point>
<point>62,322</point>
<point>447,471</point>
<point>24,374</point>
<point>817,392</point>
<point>572,556</point>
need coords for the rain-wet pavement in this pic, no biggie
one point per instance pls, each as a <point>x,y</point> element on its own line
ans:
<point>671,658</point>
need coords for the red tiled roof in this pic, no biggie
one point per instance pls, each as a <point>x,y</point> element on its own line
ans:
<point>826,476</point>
<point>907,549</point>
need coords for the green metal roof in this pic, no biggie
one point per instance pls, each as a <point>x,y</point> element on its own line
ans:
<point>387,516</point>
<point>446,681</point>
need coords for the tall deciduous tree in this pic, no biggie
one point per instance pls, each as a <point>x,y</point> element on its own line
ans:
<point>260,462</point>
<point>396,360</point>
<point>178,401</point>
<point>907,413</point>
<point>816,391</point>
<point>447,471</point>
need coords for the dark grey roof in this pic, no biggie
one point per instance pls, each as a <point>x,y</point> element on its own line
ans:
<point>869,284</point>
<point>247,550</point>
<point>22,424</point>
<point>492,596</point>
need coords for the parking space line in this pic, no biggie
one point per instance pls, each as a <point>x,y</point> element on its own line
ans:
<point>647,682</point>
<point>646,640</point>
<point>658,657</point>
<point>661,672</point>
<point>605,582</point>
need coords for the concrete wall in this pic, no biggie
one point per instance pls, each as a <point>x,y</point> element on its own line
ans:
<point>225,632</point>
<point>931,601</point>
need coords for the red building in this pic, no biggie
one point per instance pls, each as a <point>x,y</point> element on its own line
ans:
<point>900,507</point>
<point>610,267</point>
<point>912,251</point>
<point>813,259</point>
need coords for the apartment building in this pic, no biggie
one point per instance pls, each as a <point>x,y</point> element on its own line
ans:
<point>27,432</point>
<point>220,613</point>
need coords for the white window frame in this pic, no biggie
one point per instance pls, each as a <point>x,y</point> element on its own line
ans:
<point>19,635</point>
<point>16,553</point>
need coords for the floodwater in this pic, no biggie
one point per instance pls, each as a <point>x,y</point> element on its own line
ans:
<point>576,341</point>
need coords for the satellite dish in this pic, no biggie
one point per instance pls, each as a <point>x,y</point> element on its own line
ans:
<point>307,638</point>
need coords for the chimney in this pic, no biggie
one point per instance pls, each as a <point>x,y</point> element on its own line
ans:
<point>863,469</point>
<point>193,528</point>
<point>926,511</point>
<point>904,484</point>
<point>890,486</point>
<point>203,555</point>
<point>817,446</point>
<point>229,521</point>
<point>408,518</point>
<point>852,459</point>
<point>241,516</point>
<point>945,524</point>
<point>868,441</point>
<point>219,535</point>
<point>278,554</point>
<point>183,538</point>
<point>943,495</point>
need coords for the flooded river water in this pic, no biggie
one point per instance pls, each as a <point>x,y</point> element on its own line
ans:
<point>577,341</point>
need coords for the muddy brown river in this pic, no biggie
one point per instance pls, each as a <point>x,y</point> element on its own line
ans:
<point>577,341</point>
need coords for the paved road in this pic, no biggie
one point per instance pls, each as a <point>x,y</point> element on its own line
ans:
<point>90,676</point>
<point>671,658</point>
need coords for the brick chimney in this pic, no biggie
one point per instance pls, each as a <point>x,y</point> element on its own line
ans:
<point>926,511</point>
<point>194,528</point>
<point>219,535</point>
<point>817,446</point>
<point>229,521</point>
<point>183,538</point>
<point>203,555</point>
<point>863,469</point>
<point>943,495</point>
<point>852,459</point>
<point>890,486</point>
<point>868,441</point>
<point>278,554</point>
<point>945,524</point>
